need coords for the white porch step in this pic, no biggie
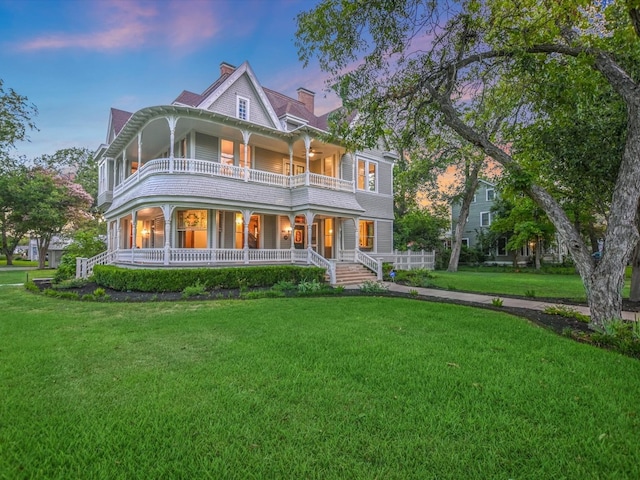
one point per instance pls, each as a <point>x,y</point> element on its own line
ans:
<point>353,274</point>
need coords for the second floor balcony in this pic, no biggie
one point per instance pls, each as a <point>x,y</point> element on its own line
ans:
<point>215,169</point>
<point>184,143</point>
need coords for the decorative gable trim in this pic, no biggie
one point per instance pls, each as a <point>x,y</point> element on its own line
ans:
<point>238,72</point>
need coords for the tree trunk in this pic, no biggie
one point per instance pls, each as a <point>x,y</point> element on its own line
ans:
<point>538,253</point>
<point>43,247</point>
<point>634,294</point>
<point>603,282</point>
<point>471,185</point>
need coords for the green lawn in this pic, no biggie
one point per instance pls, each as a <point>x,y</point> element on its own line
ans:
<point>339,388</point>
<point>20,276</point>
<point>541,285</point>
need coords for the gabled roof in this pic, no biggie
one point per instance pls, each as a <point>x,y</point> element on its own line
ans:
<point>187,98</point>
<point>216,90</point>
<point>117,120</point>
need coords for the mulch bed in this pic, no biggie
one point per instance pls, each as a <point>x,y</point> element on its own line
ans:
<point>557,323</point>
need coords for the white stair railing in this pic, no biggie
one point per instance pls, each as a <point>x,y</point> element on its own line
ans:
<point>84,266</point>
<point>373,264</point>
<point>319,261</point>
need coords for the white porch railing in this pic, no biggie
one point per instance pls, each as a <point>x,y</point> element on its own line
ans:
<point>216,169</point>
<point>373,264</point>
<point>203,257</point>
<point>319,261</point>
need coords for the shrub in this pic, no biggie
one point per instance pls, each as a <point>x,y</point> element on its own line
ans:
<point>194,290</point>
<point>71,283</point>
<point>566,312</point>
<point>373,287</point>
<point>31,286</point>
<point>176,280</point>
<point>497,302</point>
<point>414,278</point>
<point>309,287</point>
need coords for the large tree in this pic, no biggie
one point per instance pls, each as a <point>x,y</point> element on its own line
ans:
<point>77,164</point>
<point>16,119</point>
<point>15,196</point>
<point>57,206</point>
<point>448,62</point>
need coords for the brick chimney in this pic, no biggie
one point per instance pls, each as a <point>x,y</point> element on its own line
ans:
<point>226,68</point>
<point>307,98</point>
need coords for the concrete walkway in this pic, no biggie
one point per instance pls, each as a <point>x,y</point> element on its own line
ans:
<point>487,299</point>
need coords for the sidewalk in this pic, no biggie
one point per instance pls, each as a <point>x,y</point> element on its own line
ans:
<point>486,299</point>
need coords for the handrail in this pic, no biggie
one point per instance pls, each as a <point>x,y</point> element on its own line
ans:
<point>84,266</point>
<point>371,263</point>
<point>319,261</point>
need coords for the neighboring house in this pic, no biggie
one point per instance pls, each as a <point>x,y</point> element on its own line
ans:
<point>54,253</point>
<point>479,221</point>
<point>239,174</point>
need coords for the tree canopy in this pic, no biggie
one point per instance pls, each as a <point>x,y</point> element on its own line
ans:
<point>473,68</point>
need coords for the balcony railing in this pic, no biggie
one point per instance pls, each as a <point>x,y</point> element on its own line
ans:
<point>215,169</point>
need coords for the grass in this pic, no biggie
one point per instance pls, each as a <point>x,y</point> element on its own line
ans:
<point>299,388</point>
<point>544,285</point>
<point>17,276</point>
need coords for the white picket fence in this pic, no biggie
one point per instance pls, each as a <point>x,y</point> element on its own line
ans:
<point>409,260</point>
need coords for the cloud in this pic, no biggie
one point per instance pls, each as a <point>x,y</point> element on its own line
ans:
<point>130,24</point>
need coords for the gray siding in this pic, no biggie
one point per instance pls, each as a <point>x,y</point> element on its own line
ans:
<point>206,147</point>
<point>284,243</point>
<point>384,236</point>
<point>243,87</point>
<point>349,235</point>
<point>229,229</point>
<point>385,178</point>
<point>269,231</point>
<point>346,167</point>
<point>268,161</point>
<point>375,205</point>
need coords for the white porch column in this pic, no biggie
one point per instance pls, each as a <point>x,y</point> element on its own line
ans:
<point>123,171</point>
<point>246,135</point>
<point>307,147</point>
<point>246,219</point>
<point>213,229</point>
<point>309,219</point>
<point>356,221</point>
<point>172,138</point>
<point>118,227</point>
<point>134,234</point>
<point>167,211</point>
<point>290,170</point>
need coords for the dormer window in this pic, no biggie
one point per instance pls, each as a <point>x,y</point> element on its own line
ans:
<point>242,108</point>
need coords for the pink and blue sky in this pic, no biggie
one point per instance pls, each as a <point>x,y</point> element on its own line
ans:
<point>75,59</point>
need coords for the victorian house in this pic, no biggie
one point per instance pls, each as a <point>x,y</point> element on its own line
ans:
<point>240,174</point>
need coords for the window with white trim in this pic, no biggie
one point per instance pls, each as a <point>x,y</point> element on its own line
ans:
<point>485,219</point>
<point>367,175</point>
<point>491,194</point>
<point>367,235</point>
<point>465,242</point>
<point>242,108</point>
